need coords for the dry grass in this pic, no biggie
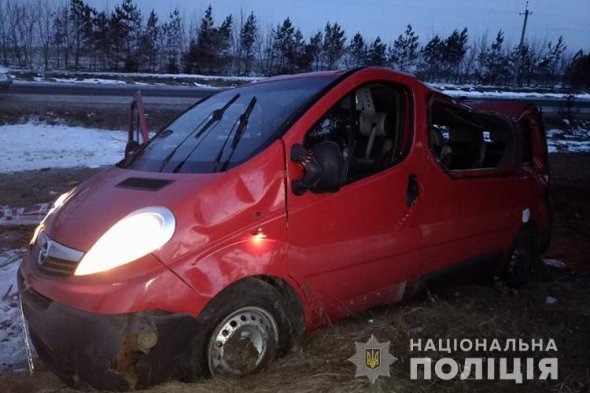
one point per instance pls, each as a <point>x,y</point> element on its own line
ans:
<point>319,362</point>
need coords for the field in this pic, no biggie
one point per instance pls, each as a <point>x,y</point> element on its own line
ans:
<point>454,310</point>
<point>555,305</point>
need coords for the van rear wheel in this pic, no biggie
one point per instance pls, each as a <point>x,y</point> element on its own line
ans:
<point>246,327</point>
<point>520,261</point>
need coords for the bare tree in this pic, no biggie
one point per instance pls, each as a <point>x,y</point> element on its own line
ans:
<point>45,28</point>
<point>3,34</point>
<point>21,26</point>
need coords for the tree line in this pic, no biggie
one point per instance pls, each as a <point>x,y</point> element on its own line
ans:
<point>76,36</point>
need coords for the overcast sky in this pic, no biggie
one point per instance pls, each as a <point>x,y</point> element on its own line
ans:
<point>388,18</point>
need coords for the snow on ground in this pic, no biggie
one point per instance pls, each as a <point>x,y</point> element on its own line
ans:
<point>181,76</point>
<point>36,146</point>
<point>91,81</point>
<point>575,141</point>
<point>143,79</point>
<point>508,95</point>
<point>12,348</point>
<point>168,76</point>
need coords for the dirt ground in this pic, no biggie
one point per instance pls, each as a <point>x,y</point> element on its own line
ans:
<point>319,362</point>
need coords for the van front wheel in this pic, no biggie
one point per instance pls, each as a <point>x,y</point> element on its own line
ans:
<point>247,326</point>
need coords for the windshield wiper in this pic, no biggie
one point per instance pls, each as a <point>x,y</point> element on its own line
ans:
<point>214,117</point>
<point>217,115</point>
<point>244,118</point>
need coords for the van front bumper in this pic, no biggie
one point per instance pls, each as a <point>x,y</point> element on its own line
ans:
<point>110,352</point>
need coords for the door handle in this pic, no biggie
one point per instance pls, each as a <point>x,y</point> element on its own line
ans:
<point>413,190</point>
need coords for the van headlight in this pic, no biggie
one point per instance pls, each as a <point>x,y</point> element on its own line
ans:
<point>134,236</point>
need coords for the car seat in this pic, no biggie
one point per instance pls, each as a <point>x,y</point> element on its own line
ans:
<point>438,145</point>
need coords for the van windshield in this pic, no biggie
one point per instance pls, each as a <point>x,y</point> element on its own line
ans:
<point>229,127</point>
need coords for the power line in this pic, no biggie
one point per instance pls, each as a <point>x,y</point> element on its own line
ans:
<point>526,14</point>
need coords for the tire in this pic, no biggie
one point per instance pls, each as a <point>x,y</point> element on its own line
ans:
<point>520,260</point>
<point>245,326</point>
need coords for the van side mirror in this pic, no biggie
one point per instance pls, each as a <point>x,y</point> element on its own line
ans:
<point>322,167</point>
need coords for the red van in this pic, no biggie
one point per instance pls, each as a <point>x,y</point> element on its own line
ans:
<point>272,208</point>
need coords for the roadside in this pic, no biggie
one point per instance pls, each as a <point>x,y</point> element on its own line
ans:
<point>139,79</point>
<point>556,304</point>
<point>87,111</point>
<point>319,360</point>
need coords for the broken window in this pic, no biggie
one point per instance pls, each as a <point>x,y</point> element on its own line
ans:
<point>229,127</point>
<point>371,127</point>
<point>463,139</point>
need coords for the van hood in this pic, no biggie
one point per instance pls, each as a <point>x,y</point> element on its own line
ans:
<point>206,206</point>
<point>96,205</point>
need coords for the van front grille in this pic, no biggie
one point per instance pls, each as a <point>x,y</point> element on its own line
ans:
<point>55,259</point>
<point>58,267</point>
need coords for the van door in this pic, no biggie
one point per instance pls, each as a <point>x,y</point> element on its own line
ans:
<point>471,188</point>
<point>348,249</point>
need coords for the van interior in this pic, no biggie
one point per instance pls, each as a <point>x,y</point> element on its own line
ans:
<point>368,125</point>
<point>463,139</point>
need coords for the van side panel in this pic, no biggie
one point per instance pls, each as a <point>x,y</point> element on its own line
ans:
<point>242,221</point>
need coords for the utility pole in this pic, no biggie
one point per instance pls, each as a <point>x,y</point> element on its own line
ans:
<point>526,14</point>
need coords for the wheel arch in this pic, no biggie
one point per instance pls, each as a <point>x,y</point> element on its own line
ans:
<point>290,297</point>
<point>288,301</point>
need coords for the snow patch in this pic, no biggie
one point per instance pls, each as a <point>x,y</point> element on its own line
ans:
<point>179,76</point>
<point>573,141</point>
<point>36,146</point>
<point>12,347</point>
<point>470,91</point>
<point>121,78</point>
<point>91,81</point>
<point>550,300</point>
<point>556,263</point>
<point>513,95</point>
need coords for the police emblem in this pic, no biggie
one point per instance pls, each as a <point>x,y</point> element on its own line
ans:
<point>373,356</point>
<point>372,359</point>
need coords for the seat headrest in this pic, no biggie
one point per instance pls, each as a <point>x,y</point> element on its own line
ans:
<point>370,121</point>
<point>436,137</point>
<point>364,100</point>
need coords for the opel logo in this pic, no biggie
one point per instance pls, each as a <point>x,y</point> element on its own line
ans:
<point>43,253</point>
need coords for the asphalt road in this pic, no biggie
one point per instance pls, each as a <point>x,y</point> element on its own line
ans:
<point>176,96</point>
<point>101,95</point>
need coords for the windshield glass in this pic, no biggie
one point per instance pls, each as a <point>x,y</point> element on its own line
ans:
<point>229,127</point>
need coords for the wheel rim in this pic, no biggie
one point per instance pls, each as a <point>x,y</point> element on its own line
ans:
<point>242,342</point>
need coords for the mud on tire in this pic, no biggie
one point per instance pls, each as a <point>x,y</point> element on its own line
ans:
<point>244,327</point>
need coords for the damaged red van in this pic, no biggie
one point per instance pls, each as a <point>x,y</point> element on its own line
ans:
<point>269,209</point>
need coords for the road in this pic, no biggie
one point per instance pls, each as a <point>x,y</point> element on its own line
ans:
<point>178,96</point>
<point>102,95</point>
<point>552,107</point>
